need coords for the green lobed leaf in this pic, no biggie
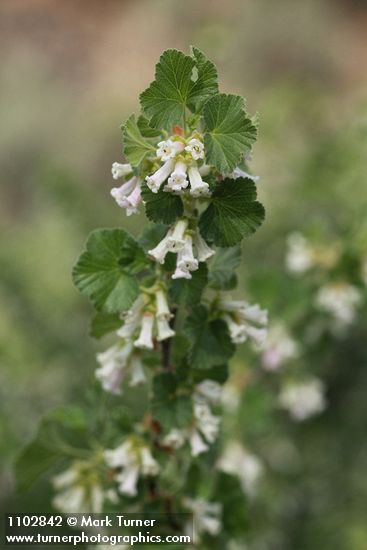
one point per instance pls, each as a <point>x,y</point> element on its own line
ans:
<point>222,268</point>
<point>229,132</point>
<point>233,213</point>
<point>105,271</point>
<point>136,146</point>
<point>168,408</point>
<point>59,430</point>
<point>210,342</point>
<point>188,291</point>
<point>146,130</point>
<point>103,323</point>
<point>219,373</point>
<point>206,83</point>
<point>181,81</point>
<point>161,207</point>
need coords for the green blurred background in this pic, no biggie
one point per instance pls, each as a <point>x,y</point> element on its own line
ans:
<point>70,73</point>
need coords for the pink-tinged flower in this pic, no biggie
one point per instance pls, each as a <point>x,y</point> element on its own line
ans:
<point>155,181</point>
<point>198,187</point>
<point>128,196</point>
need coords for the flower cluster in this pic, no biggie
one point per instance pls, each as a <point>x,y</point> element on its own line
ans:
<point>180,168</point>
<point>78,490</point>
<point>205,426</point>
<point>131,459</point>
<point>147,319</point>
<point>242,318</point>
<point>189,246</point>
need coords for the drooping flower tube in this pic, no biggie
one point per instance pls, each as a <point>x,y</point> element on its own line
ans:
<point>116,363</point>
<point>178,179</point>
<point>198,187</point>
<point>203,251</point>
<point>155,181</point>
<point>240,316</point>
<point>145,340</point>
<point>128,195</point>
<point>135,459</point>
<point>120,170</point>
<point>77,490</point>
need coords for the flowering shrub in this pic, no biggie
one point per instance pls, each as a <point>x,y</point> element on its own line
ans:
<point>165,299</point>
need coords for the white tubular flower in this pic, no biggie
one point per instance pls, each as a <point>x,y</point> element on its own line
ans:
<point>70,501</point>
<point>155,181</point>
<point>145,340</point>
<point>178,180</point>
<point>168,149</point>
<point>133,317</point>
<point>197,444</point>
<point>198,187</point>
<point>164,331</point>
<point>121,193</point>
<point>162,312</point>
<point>134,200</point>
<point>75,491</point>
<point>113,363</point>
<point>149,466</point>
<point>203,251</point>
<point>121,456</point>
<point>65,479</point>
<point>161,250</point>
<point>185,256</point>
<point>237,331</point>
<point>119,170</point>
<point>128,481</point>
<point>341,300</point>
<point>239,173</point>
<point>206,516</point>
<point>181,274</point>
<point>206,422</point>
<point>209,390</point>
<point>239,315</point>
<point>254,314</point>
<point>137,371</point>
<point>174,439</point>
<point>300,255</point>
<point>246,466</point>
<point>247,312</point>
<point>196,149</point>
<point>177,240</point>
<point>303,400</point>
<point>135,460</point>
<point>257,335</point>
